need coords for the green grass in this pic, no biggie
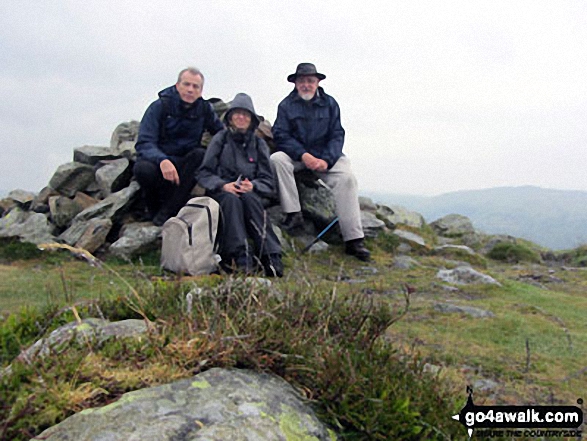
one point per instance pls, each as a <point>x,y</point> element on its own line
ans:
<point>314,312</point>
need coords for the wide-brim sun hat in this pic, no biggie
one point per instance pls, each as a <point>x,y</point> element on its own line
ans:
<point>305,69</point>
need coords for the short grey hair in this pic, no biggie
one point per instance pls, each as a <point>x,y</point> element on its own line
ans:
<point>193,71</point>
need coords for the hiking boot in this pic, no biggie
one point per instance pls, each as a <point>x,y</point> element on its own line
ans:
<point>293,221</point>
<point>356,247</point>
<point>272,265</point>
<point>244,263</point>
<point>161,217</point>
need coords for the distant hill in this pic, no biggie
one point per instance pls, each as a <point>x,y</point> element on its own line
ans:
<point>556,219</point>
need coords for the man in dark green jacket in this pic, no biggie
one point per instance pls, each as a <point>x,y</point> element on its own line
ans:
<point>168,145</point>
<point>308,134</point>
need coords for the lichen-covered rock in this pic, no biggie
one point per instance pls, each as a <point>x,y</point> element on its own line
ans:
<point>411,238</point>
<point>367,204</point>
<point>63,210</point>
<point>113,207</point>
<point>40,203</point>
<point>28,227</point>
<point>124,138</point>
<point>113,176</point>
<point>464,275</point>
<point>317,201</point>
<point>92,329</point>
<point>459,309</point>
<point>397,214</point>
<point>216,405</point>
<point>371,225</point>
<point>135,238</point>
<point>91,155</point>
<point>72,177</point>
<point>22,197</point>
<point>94,235</point>
<point>453,225</point>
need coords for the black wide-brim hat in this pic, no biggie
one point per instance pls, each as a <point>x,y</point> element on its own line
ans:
<point>306,69</point>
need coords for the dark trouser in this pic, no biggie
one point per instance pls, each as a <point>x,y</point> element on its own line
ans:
<point>244,217</point>
<point>159,193</point>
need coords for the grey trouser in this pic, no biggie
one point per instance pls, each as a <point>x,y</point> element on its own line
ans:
<point>339,178</point>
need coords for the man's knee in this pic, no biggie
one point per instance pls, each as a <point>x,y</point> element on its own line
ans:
<point>282,161</point>
<point>145,172</point>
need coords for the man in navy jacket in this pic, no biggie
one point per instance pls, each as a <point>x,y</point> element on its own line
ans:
<point>308,134</point>
<point>168,145</point>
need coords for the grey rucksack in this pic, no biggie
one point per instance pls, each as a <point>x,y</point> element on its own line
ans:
<point>189,238</point>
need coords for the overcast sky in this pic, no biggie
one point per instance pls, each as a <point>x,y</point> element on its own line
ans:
<point>435,96</point>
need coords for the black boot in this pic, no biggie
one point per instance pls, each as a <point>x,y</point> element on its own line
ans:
<point>293,221</point>
<point>356,247</point>
<point>272,265</point>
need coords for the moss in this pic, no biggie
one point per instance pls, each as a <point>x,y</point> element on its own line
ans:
<point>201,384</point>
<point>292,427</point>
<point>513,253</point>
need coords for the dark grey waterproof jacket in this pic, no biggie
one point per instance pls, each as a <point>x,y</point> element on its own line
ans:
<point>227,157</point>
<point>309,126</point>
<point>183,128</point>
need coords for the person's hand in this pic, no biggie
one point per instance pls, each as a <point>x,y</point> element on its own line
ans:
<point>231,187</point>
<point>169,171</point>
<point>246,185</point>
<point>313,163</point>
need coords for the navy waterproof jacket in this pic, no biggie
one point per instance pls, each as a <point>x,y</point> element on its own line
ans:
<point>309,126</point>
<point>182,131</point>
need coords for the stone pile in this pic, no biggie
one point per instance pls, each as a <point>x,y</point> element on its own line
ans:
<point>94,203</point>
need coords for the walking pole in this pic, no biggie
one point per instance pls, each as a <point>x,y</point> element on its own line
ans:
<point>330,225</point>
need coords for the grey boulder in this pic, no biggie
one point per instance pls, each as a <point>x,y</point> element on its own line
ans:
<point>219,404</point>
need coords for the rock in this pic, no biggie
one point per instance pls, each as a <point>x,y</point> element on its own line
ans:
<point>469,310</point>
<point>94,235</point>
<point>92,155</point>
<point>84,200</point>
<point>63,210</point>
<point>72,177</point>
<point>367,204</point>
<point>385,214</point>
<point>285,245</point>
<point>6,205</point>
<point>22,197</point>
<point>397,214</point>
<point>366,271</point>
<point>317,201</point>
<point>12,220</point>
<point>463,275</point>
<point>319,247</point>
<point>496,239</point>
<point>371,225</point>
<point>485,385</point>
<point>92,232</point>
<point>454,225</point>
<point>113,176</point>
<point>124,138</point>
<point>40,203</point>
<point>404,263</point>
<point>98,330</point>
<point>447,249</point>
<point>412,238</point>
<point>113,207</point>
<point>219,404</point>
<point>28,227</point>
<point>135,238</point>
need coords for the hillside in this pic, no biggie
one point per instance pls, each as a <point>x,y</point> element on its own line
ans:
<point>556,219</point>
